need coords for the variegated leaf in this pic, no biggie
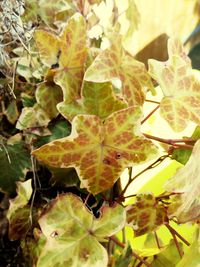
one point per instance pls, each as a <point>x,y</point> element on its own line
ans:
<point>67,52</point>
<point>70,230</point>
<point>100,150</point>
<point>114,64</point>
<point>146,214</point>
<point>97,99</point>
<point>180,86</point>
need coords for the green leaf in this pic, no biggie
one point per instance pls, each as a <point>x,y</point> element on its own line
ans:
<point>48,95</point>
<point>167,258</point>
<point>31,117</point>
<point>146,214</point>
<point>100,151</point>
<point>68,51</point>
<point>58,130</point>
<point>14,164</point>
<point>186,182</point>
<point>194,55</point>
<point>125,258</point>
<point>97,99</point>
<point>114,64</point>
<point>192,256</point>
<point>180,86</point>
<point>71,238</point>
<point>182,155</point>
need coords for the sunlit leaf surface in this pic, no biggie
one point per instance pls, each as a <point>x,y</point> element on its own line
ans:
<point>115,64</point>
<point>72,233</point>
<point>180,86</point>
<point>97,99</point>
<point>100,151</point>
<point>66,54</point>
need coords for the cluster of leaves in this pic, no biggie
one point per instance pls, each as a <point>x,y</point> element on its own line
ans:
<point>73,100</point>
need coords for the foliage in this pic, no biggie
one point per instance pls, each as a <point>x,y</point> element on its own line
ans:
<point>73,100</point>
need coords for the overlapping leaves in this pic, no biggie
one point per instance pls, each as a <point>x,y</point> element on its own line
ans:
<point>114,64</point>
<point>97,99</point>
<point>146,214</point>
<point>180,86</point>
<point>100,151</point>
<point>186,181</point>
<point>66,53</point>
<point>72,233</point>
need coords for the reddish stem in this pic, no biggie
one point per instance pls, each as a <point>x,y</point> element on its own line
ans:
<point>152,101</point>
<point>150,114</point>
<point>172,230</point>
<point>172,142</point>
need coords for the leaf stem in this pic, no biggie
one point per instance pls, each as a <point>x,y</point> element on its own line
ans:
<point>150,114</point>
<point>151,166</point>
<point>152,101</point>
<point>172,142</point>
<point>172,230</point>
<point>176,242</point>
<point>122,245</point>
<point>157,240</point>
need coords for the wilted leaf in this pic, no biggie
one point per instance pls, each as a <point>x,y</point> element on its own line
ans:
<point>146,214</point>
<point>12,112</point>
<point>14,163</point>
<point>180,86</point>
<point>48,95</point>
<point>32,117</point>
<point>97,99</point>
<point>71,236</point>
<point>100,151</point>
<point>114,64</point>
<point>67,51</point>
<point>186,181</point>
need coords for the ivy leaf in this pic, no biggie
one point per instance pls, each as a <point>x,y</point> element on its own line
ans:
<point>180,86</point>
<point>32,117</point>
<point>71,236</point>
<point>114,64</point>
<point>69,52</point>
<point>97,99</point>
<point>18,213</point>
<point>24,191</point>
<point>14,163</point>
<point>99,150</point>
<point>48,95</point>
<point>187,183</point>
<point>146,214</point>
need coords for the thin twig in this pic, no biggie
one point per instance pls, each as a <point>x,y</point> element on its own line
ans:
<point>176,243</point>
<point>151,166</point>
<point>172,142</point>
<point>172,230</point>
<point>150,114</point>
<point>122,245</point>
<point>157,240</point>
<point>152,101</point>
<point>34,188</point>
